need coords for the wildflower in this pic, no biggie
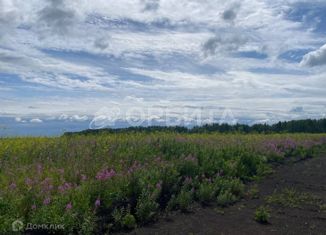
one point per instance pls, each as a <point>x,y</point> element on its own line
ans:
<point>97,202</point>
<point>66,186</point>
<point>61,171</point>
<point>105,174</point>
<point>28,182</point>
<point>39,168</point>
<point>159,185</point>
<point>46,201</point>
<point>33,207</point>
<point>83,177</point>
<point>135,166</point>
<point>69,206</point>
<point>12,186</point>
<point>46,185</point>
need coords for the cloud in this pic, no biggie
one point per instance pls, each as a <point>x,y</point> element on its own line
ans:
<point>57,17</point>
<point>231,12</point>
<point>134,99</point>
<point>81,54</point>
<point>151,5</point>
<point>19,119</point>
<point>224,43</point>
<point>8,18</point>
<point>315,58</point>
<point>102,43</point>
<point>297,110</point>
<point>36,120</point>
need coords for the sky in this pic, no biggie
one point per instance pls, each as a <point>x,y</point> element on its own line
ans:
<point>72,65</point>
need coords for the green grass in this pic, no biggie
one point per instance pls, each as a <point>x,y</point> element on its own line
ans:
<point>109,182</point>
<point>262,215</point>
<point>292,198</point>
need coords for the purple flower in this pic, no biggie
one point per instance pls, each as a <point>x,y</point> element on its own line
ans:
<point>105,174</point>
<point>12,186</point>
<point>69,206</point>
<point>39,168</point>
<point>66,186</point>
<point>46,185</point>
<point>83,177</point>
<point>97,202</point>
<point>28,182</point>
<point>47,201</point>
<point>159,185</point>
<point>33,207</point>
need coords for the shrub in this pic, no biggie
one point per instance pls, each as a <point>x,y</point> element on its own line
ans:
<point>235,186</point>
<point>129,221</point>
<point>206,192</point>
<point>188,166</point>
<point>172,204</point>
<point>253,192</point>
<point>87,226</point>
<point>146,209</point>
<point>262,215</point>
<point>118,215</point>
<point>248,165</point>
<point>184,200</point>
<point>226,198</point>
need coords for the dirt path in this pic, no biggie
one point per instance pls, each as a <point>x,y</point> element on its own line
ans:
<point>297,206</point>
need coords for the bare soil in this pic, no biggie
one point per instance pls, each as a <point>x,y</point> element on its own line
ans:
<point>306,177</point>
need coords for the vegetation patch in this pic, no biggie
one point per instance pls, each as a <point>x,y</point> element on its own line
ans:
<point>292,198</point>
<point>118,181</point>
<point>262,215</point>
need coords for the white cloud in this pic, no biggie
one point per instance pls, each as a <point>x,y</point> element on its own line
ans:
<point>104,51</point>
<point>79,118</point>
<point>315,58</point>
<point>224,43</point>
<point>18,119</point>
<point>36,120</point>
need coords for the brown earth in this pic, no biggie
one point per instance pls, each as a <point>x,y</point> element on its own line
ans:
<point>302,213</point>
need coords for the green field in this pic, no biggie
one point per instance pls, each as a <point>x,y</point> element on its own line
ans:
<point>112,182</point>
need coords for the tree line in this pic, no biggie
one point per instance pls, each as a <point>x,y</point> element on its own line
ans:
<point>295,126</point>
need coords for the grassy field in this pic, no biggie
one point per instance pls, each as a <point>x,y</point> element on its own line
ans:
<point>113,182</point>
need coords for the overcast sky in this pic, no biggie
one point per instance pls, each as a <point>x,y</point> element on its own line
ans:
<point>261,60</point>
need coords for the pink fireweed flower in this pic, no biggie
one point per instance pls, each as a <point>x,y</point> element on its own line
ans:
<point>46,185</point>
<point>69,206</point>
<point>105,174</point>
<point>135,166</point>
<point>47,201</point>
<point>66,186</point>
<point>61,171</point>
<point>97,202</point>
<point>159,185</point>
<point>39,168</point>
<point>12,186</point>
<point>28,182</point>
<point>83,177</point>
